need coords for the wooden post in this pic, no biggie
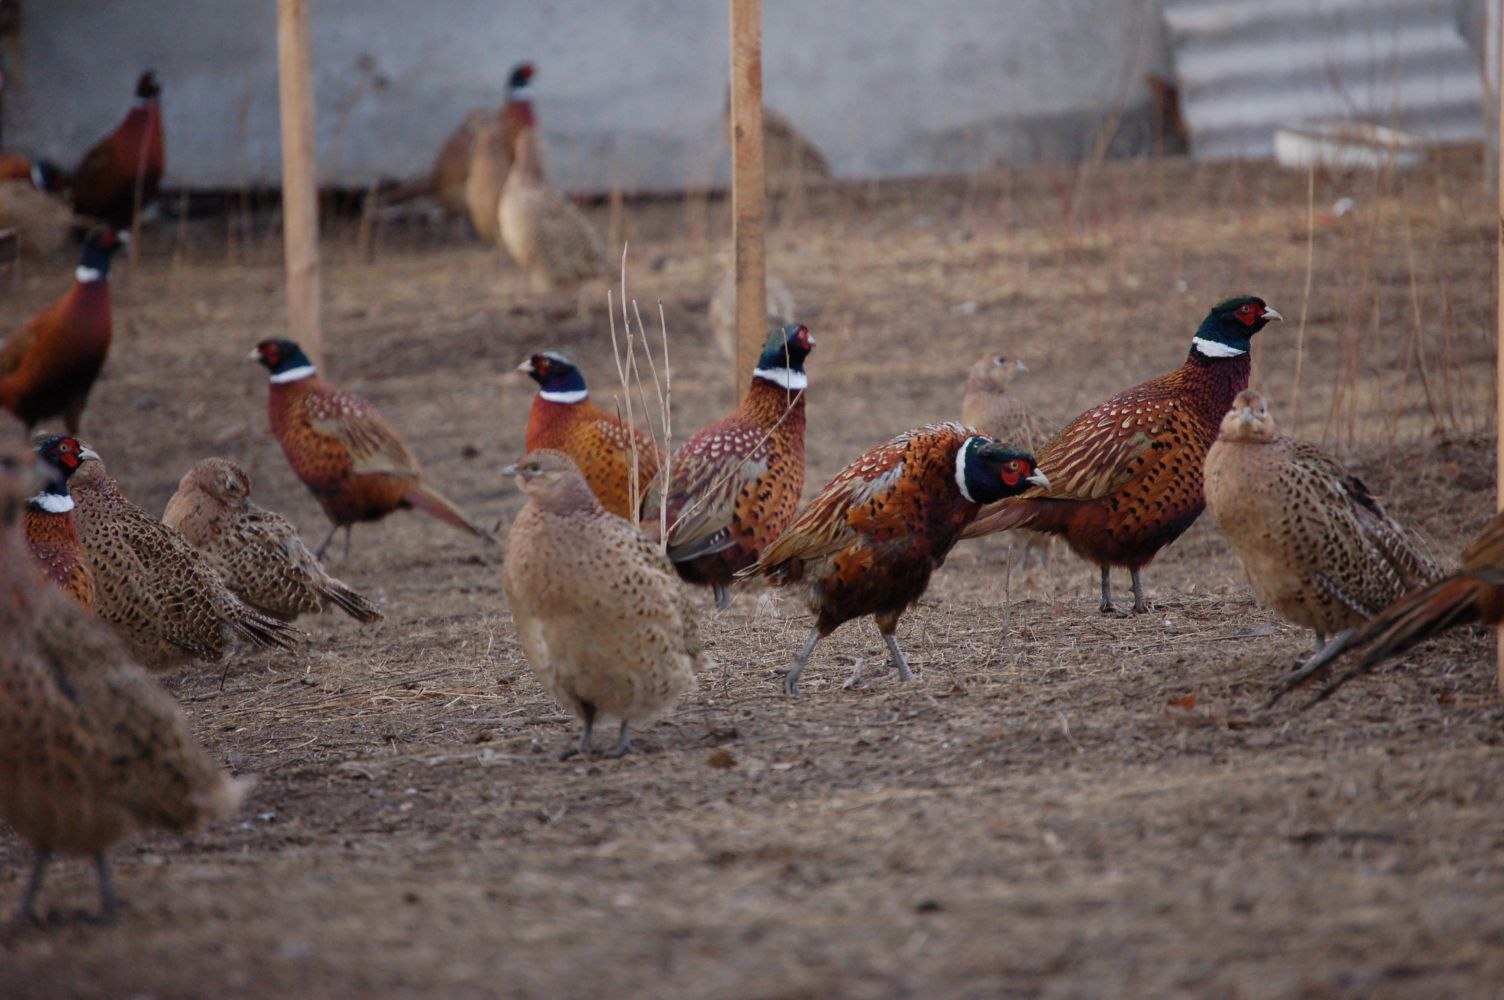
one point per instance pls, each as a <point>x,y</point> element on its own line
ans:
<point>748,195</point>
<point>1497,39</point>
<point>300,192</point>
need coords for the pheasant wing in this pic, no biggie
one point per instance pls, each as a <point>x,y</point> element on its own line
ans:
<point>373,444</point>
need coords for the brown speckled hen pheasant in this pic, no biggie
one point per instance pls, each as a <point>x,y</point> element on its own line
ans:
<point>736,483</point>
<point>48,366</point>
<point>344,450</point>
<point>257,551</point>
<point>1317,547</point>
<point>1125,476</point>
<point>603,621</point>
<point>52,538</point>
<point>1473,594</point>
<point>155,589</point>
<point>601,443</point>
<point>868,543</point>
<point>91,748</point>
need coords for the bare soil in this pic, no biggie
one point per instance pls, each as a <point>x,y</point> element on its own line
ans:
<point>1062,804</point>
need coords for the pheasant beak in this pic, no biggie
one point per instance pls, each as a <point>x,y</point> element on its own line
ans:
<point>255,354</point>
<point>526,366</point>
<point>1271,314</point>
<point>1246,415</point>
<point>510,470</point>
<point>1039,479</point>
<point>1021,366</point>
<point>85,453</point>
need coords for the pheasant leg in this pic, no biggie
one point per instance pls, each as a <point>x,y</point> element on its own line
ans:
<point>623,743</point>
<point>26,913</point>
<point>583,748</point>
<point>318,553</point>
<point>722,596</point>
<point>791,678</point>
<point>1107,605</point>
<point>108,904</point>
<point>896,657</point>
<point>1140,606</point>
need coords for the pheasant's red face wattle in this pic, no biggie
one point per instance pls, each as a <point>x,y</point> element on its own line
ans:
<point>1248,313</point>
<point>1015,472</point>
<point>803,338</point>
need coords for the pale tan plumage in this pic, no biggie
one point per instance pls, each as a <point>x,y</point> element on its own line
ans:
<point>257,552</point>
<point>160,594</point>
<point>542,230</point>
<point>601,616</point>
<point>489,164</point>
<point>91,748</point>
<point>722,309</point>
<point>1317,547</point>
<point>991,406</point>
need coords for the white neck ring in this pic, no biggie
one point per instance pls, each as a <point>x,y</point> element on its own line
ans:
<point>1212,349</point>
<point>784,378</point>
<point>571,396</point>
<point>88,275</point>
<point>53,503</point>
<point>293,374</point>
<point>961,469</point>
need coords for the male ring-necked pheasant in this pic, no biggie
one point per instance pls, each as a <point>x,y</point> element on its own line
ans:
<point>1126,475</point>
<point>53,539</point>
<point>48,366</point>
<point>258,552</point>
<point>160,595</point>
<point>869,542</point>
<point>601,443</point>
<point>125,165</point>
<point>1317,546</point>
<point>736,483</point>
<point>91,748</point>
<point>347,454</point>
<point>1473,594</point>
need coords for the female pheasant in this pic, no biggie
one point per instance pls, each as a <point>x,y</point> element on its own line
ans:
<point>604,623</point>
<point>735,484</point>
<point>868,543</point>
<point>128,161</point>
<point>602,444</point>
<point>162,597</point>
<point>1316,545</point>
<point>90,747</point>
<point>349,457</point>
<point>48,367</point>
<point>1126,475</point>
<point>1475,593</point>
<point>52,538</point>
<point>257,551</point>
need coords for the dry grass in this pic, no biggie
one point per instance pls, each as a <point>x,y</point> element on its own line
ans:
<point>1063,804</point>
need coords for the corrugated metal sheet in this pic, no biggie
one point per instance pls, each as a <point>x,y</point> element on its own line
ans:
<point>1245,67</point>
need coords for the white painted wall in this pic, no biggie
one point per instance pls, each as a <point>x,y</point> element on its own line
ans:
<point>629,91</point>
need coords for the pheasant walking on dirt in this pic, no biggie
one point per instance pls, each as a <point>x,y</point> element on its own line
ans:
<point>602,444</point>
<point>1126,476</point>
<point>607,627</point>
<point>52,538</point>
<point>344,450</point>
<point>1316,545</point>
<point>48,366</point>
<point>869,542</point>
<point>990,405</point>
<point>124,168</point>
<point>257,552</point>
<point>736,483</point>
<point>155,589</point>
<point>91,749</point>
<point>1472,595</point>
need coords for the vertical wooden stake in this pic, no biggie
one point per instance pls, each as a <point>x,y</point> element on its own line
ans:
<point>748,195</point>
<point>300,193</point>
<point>1498,137</point>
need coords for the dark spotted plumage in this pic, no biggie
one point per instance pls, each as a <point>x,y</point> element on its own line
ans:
<point>90,747</point>
<point>868,543</point>
<point>1126,476</point>
<point>155,589</point>
<point>258,552</point>
<point>601,443</point>
<point>353,461</point>
<point>1317,547</point>
<point>735,484</point>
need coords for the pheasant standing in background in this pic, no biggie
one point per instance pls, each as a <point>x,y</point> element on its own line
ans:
<point>32,206</point>
<point>600,443</point>
<point>91,748</point>
<point>1473,594</point>
<point>868,543</point>
<point>52,538</point>
<point>605,625</point>
<point>43,175</point>
<point>343,449</point>
<point>129,160</point>
<point>489,163</point>
<point>160,595</point>
<point>48,366</point>
<point>721,312</point>
<point>1316,545</point>
<point>991,407</point>
<point>542,230</point>
<point>257,551</point>
<point>736,483</point>
<point>1126,475</point>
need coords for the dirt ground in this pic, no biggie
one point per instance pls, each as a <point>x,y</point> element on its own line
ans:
<point>1062,804</point>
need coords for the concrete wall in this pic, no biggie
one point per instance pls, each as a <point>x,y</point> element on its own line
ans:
<point>628,91</point>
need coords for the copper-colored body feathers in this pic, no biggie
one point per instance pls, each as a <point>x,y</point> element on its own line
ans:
<point>126,164</point>
<point>52,538</point>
